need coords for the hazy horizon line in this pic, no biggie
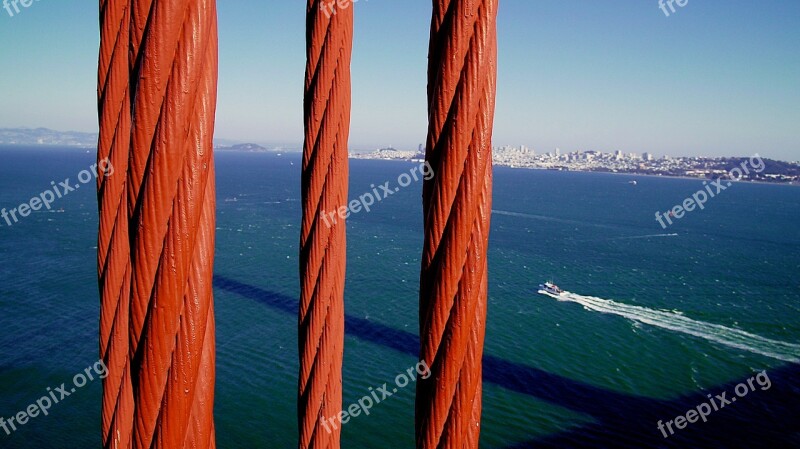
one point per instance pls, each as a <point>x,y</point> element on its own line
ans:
<point>298,145</point>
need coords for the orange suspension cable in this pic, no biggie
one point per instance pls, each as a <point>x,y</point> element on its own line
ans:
<point>171,198</point>
<point>457,210</point>
<point>113,250</point>
<point>329,38</point>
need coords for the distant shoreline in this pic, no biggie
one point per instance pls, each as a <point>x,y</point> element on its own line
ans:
<point>223,150</point>
<point>650,175</point>
<point>629,174</point>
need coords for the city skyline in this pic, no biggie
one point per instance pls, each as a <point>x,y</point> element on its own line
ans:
<point>647,164</point>
<point>712,78</point>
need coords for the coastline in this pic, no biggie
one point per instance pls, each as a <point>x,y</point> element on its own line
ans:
<point>650,175</point>
<point>609,172</point>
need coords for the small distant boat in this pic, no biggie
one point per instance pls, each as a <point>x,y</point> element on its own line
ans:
<point>633,183</point>
<point>549,288</point>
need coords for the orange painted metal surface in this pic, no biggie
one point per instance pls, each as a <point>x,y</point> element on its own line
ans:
<point>462,74</point>
<point>166,193</point>
<point>329,38</point>
<point>113,250</point>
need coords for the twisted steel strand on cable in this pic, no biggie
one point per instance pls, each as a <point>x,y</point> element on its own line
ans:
<point>171,199</point>
<point>329,36</point>
<point>137,163</point>
<point>113,250</point>
<point>457,211</point>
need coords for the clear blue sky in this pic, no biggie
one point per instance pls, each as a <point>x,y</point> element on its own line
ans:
<point>717,77</point>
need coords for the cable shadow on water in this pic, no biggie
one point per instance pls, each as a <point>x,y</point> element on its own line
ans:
<point>767,418</point>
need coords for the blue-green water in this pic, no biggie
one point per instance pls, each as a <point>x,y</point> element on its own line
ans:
<point>717,296</point>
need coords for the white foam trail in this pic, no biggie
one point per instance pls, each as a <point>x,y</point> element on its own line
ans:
<point>644,236</point>
<point>535,217</point>
<point>546,218</point>
<point>735,338</point>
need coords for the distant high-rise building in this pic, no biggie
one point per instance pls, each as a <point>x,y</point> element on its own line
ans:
<point>647,156</point>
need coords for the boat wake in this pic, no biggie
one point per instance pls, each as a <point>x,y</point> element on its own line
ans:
<point>547,218</point>
<point>675,321</point>
<point>648,236</point>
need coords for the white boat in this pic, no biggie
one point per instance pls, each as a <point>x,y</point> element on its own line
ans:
<point>549,288</point>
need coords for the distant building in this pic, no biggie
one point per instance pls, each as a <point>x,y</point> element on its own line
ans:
<point>647,156</point>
